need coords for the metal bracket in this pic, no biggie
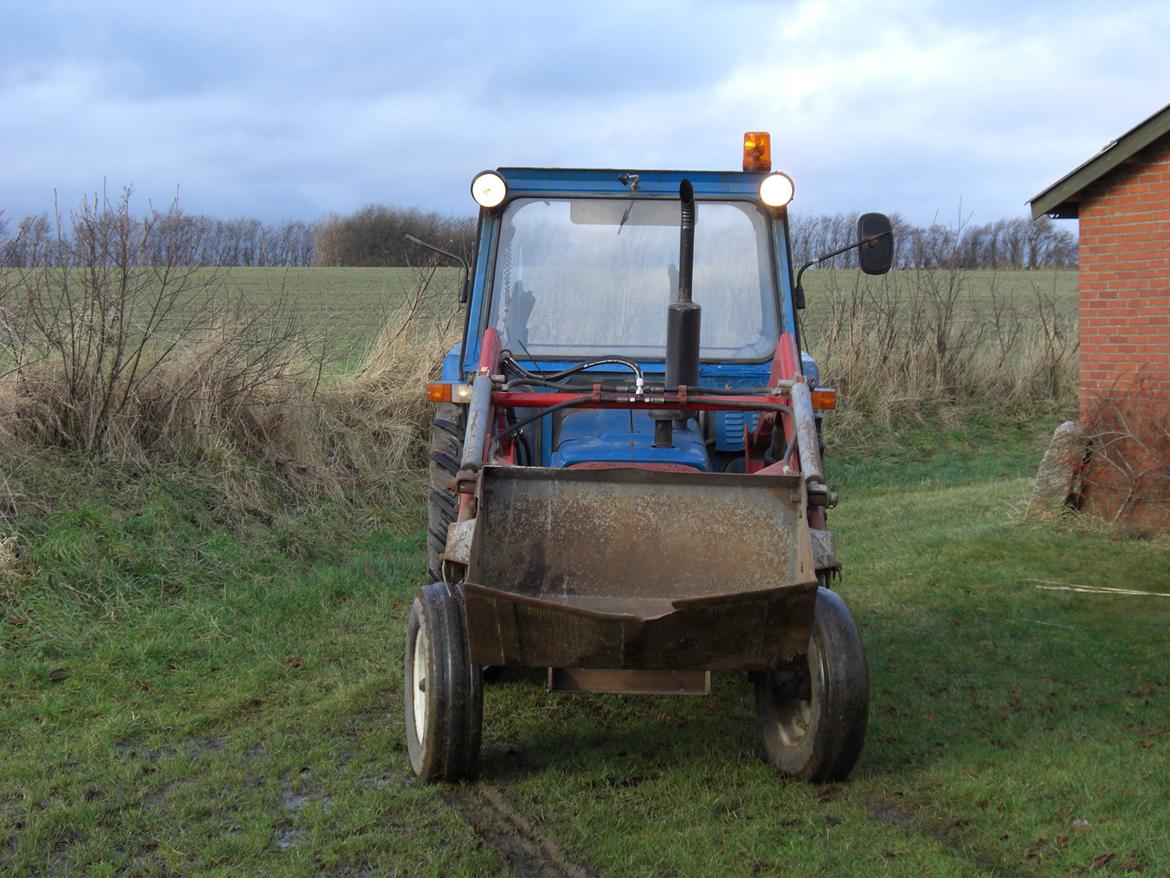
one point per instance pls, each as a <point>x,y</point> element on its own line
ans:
<point>459,537</point>
<point>824,546</point>
<point>629,682</point>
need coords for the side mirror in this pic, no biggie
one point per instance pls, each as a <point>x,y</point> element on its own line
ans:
<point>874,246</point>
<point>876,236</point>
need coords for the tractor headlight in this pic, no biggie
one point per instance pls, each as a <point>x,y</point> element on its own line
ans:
<point>488,189</point>
<point>777,190</point>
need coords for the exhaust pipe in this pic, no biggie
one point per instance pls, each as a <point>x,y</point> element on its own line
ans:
<point>682,321</point>
<point>686,244</point>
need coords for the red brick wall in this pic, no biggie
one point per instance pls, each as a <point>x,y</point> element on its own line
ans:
<point>1125,324</point>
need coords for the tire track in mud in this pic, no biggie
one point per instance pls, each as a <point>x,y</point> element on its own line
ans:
<point>528,852</point>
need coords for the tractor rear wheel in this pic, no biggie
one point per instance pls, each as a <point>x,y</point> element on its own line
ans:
<point>444,691</point>
<point>814,720</point>
<point>447,431</point>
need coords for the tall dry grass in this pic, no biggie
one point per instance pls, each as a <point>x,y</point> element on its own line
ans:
<point>923,346</point>
<point>375,422</point>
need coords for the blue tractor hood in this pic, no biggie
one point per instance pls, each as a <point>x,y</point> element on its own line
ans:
<point>616,436</point>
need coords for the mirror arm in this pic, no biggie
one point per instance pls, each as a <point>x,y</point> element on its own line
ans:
<point>798,293</point>
<point>455,256</point>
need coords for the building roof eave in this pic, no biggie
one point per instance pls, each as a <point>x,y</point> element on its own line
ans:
<point>1062,198</point>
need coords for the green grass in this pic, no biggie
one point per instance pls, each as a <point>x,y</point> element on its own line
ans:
<point>972,448</point>
<point>185,693</point>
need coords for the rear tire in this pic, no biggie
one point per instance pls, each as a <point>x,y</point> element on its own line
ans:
<point>814,724</point>
<point>447,432</point>
<point>443,690</point>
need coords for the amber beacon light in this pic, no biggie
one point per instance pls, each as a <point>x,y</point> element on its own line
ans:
<point>757,151</point>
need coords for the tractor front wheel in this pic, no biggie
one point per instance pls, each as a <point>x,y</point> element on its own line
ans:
<point>444,691</point>
<point>813,719</point>
<point>443,503</point>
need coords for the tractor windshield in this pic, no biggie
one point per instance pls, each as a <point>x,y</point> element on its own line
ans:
<point>582,277</point>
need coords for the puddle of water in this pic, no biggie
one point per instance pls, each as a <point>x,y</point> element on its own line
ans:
<point>293,801</point>
<point>288,839</point>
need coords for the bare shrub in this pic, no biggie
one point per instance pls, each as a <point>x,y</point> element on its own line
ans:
<point>88,330</point>
<point>1128,429</point>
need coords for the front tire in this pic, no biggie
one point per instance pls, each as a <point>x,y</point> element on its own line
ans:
<point>814,723</point>
<point>446,451</point>
<point>443,690</point>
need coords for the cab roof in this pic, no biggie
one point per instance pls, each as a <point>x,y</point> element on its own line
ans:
<point>529,182</point>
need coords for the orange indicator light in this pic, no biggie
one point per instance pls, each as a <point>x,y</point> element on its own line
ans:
<point>439,392</point>
<point>824,398</point>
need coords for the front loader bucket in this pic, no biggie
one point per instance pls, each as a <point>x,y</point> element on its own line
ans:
<point>639,569</point>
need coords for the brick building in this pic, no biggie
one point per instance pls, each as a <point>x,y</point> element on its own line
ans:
<point>1121,197</point>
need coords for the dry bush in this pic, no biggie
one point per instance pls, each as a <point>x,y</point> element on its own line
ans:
<point>376,421</point>
<point>1128,473</point>
<point>116,349</point>
<point>375,235</point>
<point>919,345</point>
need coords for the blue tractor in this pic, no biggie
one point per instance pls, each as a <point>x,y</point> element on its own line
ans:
<point>626,480</point>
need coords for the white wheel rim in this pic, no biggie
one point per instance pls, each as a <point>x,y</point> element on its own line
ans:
<point>419,672</point>
<point>799,716</point>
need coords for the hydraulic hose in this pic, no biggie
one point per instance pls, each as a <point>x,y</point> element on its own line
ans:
<point>510,360</point>
<point>648,389</point>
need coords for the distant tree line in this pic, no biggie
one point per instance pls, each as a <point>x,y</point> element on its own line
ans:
<point>375,235</point>
<point>37,240</point>
<point>1005,243</point>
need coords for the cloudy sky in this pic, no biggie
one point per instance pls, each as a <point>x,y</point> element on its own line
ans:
<point>290,110</point>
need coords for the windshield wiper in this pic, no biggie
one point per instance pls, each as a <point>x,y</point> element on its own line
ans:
<point>625,216</point>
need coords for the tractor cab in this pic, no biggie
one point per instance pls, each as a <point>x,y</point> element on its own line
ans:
<point>575,272</point>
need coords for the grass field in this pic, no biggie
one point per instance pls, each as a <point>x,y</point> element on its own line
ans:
<point>349,303</point>
<point>975,289</point>
<point>343,309</point>
<point>188,695</point>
